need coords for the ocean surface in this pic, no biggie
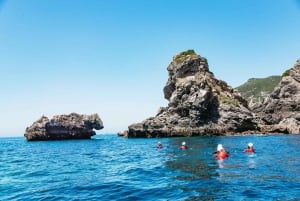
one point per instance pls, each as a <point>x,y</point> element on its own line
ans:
<point>115,168</point>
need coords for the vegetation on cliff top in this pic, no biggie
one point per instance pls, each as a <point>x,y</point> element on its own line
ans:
<point>286,73</point>
<point>179,58</point>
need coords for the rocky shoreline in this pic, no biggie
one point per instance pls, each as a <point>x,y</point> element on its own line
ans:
<point>62,127</point>
<point>199,104</point>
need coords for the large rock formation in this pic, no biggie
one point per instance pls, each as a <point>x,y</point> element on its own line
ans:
<point>199,104</point>
<point>60,127</point>
<point>280,112</point>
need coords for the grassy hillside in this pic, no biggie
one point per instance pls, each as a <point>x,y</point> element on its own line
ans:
<point>258,88</point>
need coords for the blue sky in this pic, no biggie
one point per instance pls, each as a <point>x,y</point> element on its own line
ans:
<point>110,57</point>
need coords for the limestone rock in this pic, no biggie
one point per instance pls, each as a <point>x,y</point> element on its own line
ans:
<point>199,104</point>
<point>60,127</point>
<point>280,112</point>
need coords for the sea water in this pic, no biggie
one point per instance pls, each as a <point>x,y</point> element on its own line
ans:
<point>115,168</point>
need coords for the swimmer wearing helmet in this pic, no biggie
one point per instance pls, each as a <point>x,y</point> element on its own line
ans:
<point>221,153</point>
<point>250,148</point>
<point>159,145</point>
<point>183,145</point>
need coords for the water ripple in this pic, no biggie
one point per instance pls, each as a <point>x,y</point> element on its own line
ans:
<point>112,168</point>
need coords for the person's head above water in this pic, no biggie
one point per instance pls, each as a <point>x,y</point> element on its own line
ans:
<point>221,153</point>
<point>250,148</point>
<point>183,145</point>
<point>220,147</point>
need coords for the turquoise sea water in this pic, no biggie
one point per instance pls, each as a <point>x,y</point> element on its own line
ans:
<point>114,168</point>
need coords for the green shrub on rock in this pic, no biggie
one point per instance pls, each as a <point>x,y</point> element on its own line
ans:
<point>179,58</point>
<point>286,73</point>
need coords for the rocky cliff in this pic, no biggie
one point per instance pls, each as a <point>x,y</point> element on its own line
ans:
<point>72,126</point>
<point>256,89</point>
<point>199,104</point>
<point>280,112</point>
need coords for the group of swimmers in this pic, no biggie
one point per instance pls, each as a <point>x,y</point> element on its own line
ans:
<point>221,153</point>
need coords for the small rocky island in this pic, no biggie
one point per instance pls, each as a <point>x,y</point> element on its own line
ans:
<point>62,127</point>
<point>199,104</point>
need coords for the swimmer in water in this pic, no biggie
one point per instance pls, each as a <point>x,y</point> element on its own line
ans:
<point>159,145</point>
<point>221,153</point>
<point>183,145</point>
<point>250,148</point>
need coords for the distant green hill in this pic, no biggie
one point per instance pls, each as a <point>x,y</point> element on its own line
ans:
<point>255,89</point>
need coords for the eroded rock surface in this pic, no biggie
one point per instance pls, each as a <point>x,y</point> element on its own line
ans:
<point>280,112</point>
<point>61,127</point>
<point>199,104</point>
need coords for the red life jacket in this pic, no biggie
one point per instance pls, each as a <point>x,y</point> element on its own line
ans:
<point>250,150</point>
<point>222,154</point>
<point>183,147</point>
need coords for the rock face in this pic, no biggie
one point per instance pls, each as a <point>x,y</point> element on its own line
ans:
<point>280,112</point>
<point>61,127</point>
<point>199,104</point>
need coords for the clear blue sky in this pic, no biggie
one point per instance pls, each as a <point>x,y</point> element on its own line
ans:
<point>110,56</point>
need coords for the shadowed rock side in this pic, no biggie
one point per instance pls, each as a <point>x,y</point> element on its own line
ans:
<point>61,127</point>
<point>199,104</point>
<point>280,112</point>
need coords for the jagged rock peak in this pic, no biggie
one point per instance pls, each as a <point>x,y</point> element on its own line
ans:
<point>187,62</point>
<point>184,64</point>
<point>281,110</point>
<point>71,126</point>
<point>295,72</point>
<point>199,104</point>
